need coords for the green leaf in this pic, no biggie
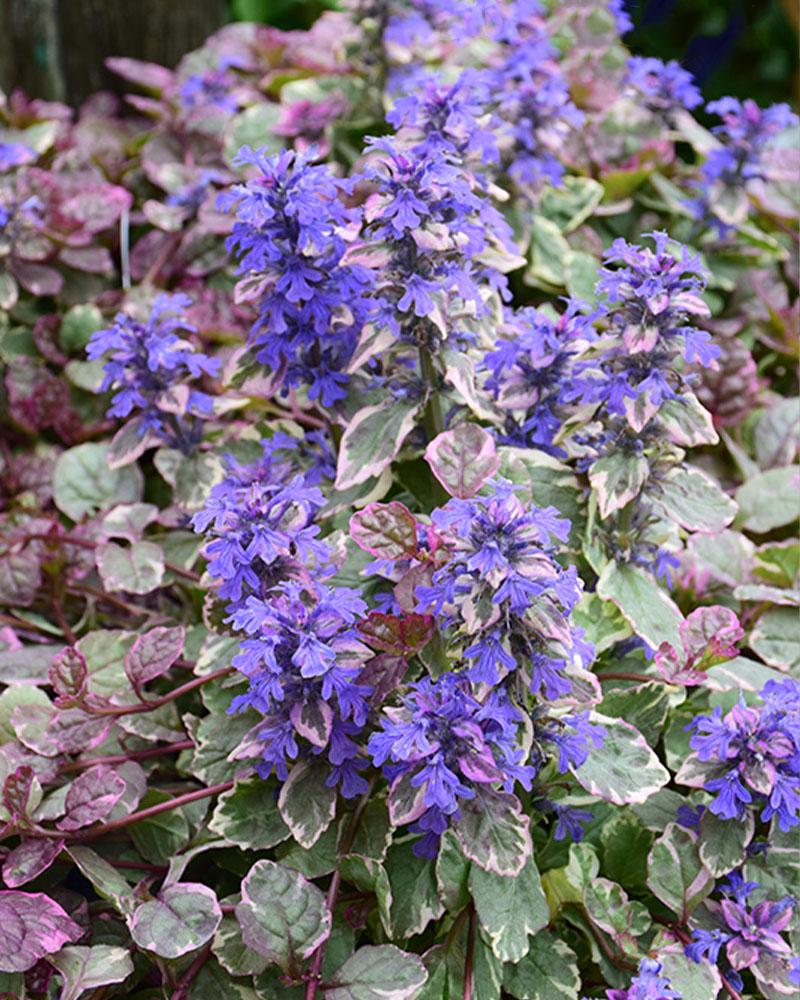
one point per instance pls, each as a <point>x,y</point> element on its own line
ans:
<point>624,919</point>
<point>415,901</point>
<point>645,706</point>
<point>650,612</point>
<point>769,500</point>
<point>776,638</point>
<point>691,980</point>
<point>494,833</point>
<point>83,483</point>
<point>380,972</point>
<point>626,844</point>
<point>509,908</point>
<point>687,422</point>
<point>182,919</point>
<point>195,477</point>
<point>306,803</point>
<point>452,873</point>
<point>548,972</point>
<point>723,844</point>
<point>282,916</point>
<point>255,127</point>
<point>675,873</point>
<point>248,816</point>
<point>85,969</point>
<point>581,275</point>
<point>231,951</point>
<point>695,502</point>
<point>158,838</point>
<point>369,875</point>
<point>373,438</point>
<point>624,769</point>
<point>617,479</point>
<point>548,252</point>
<point>106,880</point>
<point>775,435</point>
<point>137,569</point>
<point>571,203</point>
<point>77,326</point>
<point>547,481</point>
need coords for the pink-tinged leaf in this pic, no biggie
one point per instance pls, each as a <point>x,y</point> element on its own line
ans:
<point>617,479</point>
<point>405,590</point>
<point>494,832</point>
<point>282,916</point>
<point>38,279</point>
<point>406,803</point>
<point>623,769</point>
<point>20,577</point>
<point>94,260</point>
<point>128,444</point>
<point>68,675</point>
<point>29,859</point>
<point>147,75</point>
<point>675,873</point>
<point>31,926</point>
<point>91,797</point>
<point>182,919</point>
<point>313,720</point>
<point>711,634</point>
<point>49,732</point>
<point>674,668</point>
<point>153,653</point>
<point>386,530</point>
<point>17,792</point>
<point>373,438</point>
<point>463,459</point>
<point>404,634</point>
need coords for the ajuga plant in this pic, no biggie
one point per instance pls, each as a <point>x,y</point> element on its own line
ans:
<point>398,558</point>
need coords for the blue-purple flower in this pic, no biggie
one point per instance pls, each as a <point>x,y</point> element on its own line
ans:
<point>290,236</point>
<point>303,658</point>
<point>753,755</point>
<point>503,589</point>
<point>151,366</point>
<point>649,983</point>
<point>664,87</point>
<point>531,373</point>
<point>444,742</point>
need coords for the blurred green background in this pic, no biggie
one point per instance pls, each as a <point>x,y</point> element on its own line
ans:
<point>743,47</point>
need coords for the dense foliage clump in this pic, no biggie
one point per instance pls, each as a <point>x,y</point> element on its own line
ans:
<point>399,484</point>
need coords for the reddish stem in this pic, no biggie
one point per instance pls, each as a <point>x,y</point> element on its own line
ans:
<point>183,984</point>
<point>123,758</point>
<point>469,958</point>
<point>148,706</point>
<point>624,675</point>
<point>160,807</point>
<point>315,972</point>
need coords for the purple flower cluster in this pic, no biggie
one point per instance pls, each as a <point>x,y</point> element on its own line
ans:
<point>151,367</point>
<point>647,984</point>
<point>259,520</point>
<point>504,590</point>
<point>664,87</point>
<point>445,742</point>
<point>754,755</point>
<point>303,658</point>
<point>531,98</point>
<point>290,235</point>
<point>747,933</point>
<point>531,373</point>
<point>448,118</point>
<point>213,88</point>
<point>432,226</point>
<point>746,133</point>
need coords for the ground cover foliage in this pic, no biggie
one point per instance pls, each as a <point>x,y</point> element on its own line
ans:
<point>399,485</point>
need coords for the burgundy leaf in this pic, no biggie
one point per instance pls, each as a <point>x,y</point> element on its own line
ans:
<point>31,926</point>
<point>38,279</point>
<point>91,797</point>
<point>383,673</point>
<point>387,530</point>
<point>397,633</point>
